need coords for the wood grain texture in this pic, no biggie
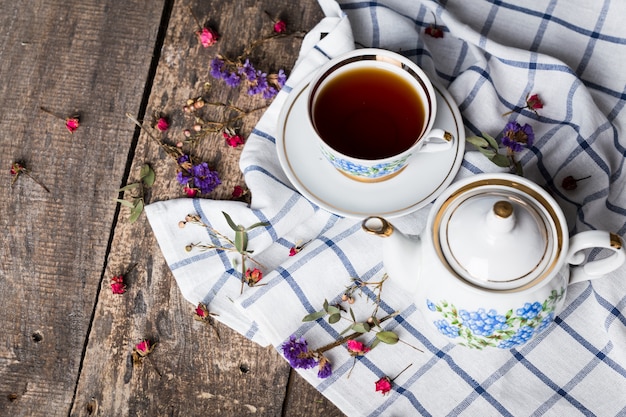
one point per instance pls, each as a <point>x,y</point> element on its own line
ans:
<point>190,372</point>
<point>88,56</point>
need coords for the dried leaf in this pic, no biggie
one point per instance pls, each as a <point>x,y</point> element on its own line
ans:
<point>230,222</point>
<point>501,160</point>
<point>387,337</point>
<point>478,141</point>
<point>314,316</point>
<point>361,327</point>
<point>491,140</point>
<point>334,318</point>
<point>147,175</point>
<point>125,203</point>
<point>129,187</point>
<point>135,212</point>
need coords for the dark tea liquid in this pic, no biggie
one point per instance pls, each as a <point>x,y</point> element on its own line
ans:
<point>368,113</point>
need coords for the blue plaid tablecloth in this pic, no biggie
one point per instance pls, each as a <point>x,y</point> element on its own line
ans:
<point>492,56</point>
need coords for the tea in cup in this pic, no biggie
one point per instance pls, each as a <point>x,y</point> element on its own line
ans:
<point>373,109</point>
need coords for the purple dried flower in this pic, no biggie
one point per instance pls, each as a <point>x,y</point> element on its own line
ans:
<point>182,178</point>
<point>325,369</point>
<point>204,179</point>
<point>517,137</point>
<point>232,79</point>
<point>217,68</point>
<point>248,70</point>
<point>295,351</point>
<point>270,92</point>
<point>281,78</point>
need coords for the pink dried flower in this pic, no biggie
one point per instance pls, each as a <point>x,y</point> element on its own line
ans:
<point>280,26</point>
<point>208,37</point>
<point>383,385</point>
<point>238,191</point>
<point>72,123</point>
<point>253,276</point>
<point>191,192</point>
<point>233,140</point>
<point>534,102</point>
<point>163,124</point>
<point>117,284</point>
<point>143,348</point>
<point>294,250</point>
<point>434,30</point>
<point>357,348</point>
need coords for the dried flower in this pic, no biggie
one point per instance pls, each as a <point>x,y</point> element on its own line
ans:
<point>295,351</point>
<point>117,284</point>
<point>257,82</point>
<point>143,349</point>
<point>434,30</point>
<point>203,314</point>
<point>533,103</point>
<point>162,124</point>
<point>383,385</point>
<point>297,248</point>
<point>207,36</point>
<point>280,26</point>
<point>252,277</point>
<point>190,192</point>
<point>72,123</point>
<point>19,168</point>
<point>238,191</point>
<point>357,348</point>
<point>570,183</point>
<point>233,140</point>
<point>325,368</point>
<point>516,137</point>
<point>196,177</point>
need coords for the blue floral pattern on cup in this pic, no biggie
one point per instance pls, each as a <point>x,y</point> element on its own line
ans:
<point>355,169</point>
<point>482,327</point>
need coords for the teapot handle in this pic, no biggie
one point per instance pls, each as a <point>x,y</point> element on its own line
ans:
<point>598,268</point>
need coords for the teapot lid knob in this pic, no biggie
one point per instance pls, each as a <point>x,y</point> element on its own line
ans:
<point>503,209</point>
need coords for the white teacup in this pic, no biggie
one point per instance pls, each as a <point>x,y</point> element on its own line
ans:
<point>373,109</point>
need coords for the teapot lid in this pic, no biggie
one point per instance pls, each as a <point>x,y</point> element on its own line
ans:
<point>497,237</point>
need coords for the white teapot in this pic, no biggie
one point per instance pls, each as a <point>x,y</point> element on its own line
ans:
<point>492,266</point>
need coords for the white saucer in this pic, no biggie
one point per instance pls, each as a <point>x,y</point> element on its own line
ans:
<point>425,177</point>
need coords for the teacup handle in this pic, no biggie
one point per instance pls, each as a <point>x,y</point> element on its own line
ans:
<point>437,140</point>
<point>601,267</point>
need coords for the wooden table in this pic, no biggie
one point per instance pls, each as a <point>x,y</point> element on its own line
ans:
<point>66,339</point>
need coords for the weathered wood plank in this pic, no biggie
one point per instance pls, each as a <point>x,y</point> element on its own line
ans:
<point>199,375</point>
<point>90,56</point>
